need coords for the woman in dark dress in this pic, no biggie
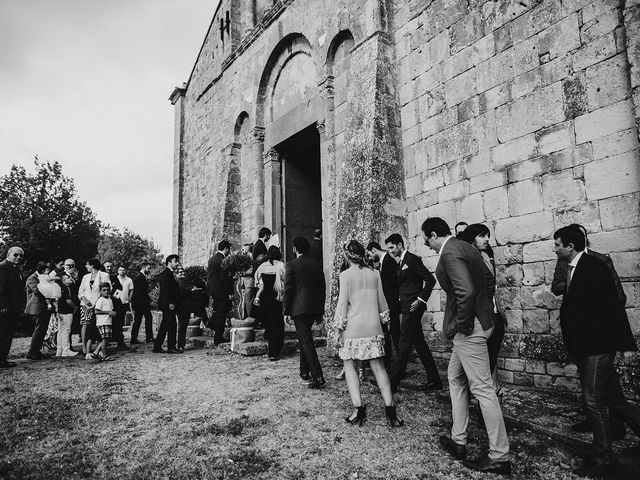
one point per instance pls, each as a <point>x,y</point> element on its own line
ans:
<point>269,279</point>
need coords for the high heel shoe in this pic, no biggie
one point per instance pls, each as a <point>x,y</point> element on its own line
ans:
<point>361,374</point>
<point>340,376</point>
<point>360,415</point>
<point>392,416</point>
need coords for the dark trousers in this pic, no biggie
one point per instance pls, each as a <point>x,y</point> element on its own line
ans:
<point>394,327</point>
<point>7,329</point>
<point>391,337</point>
<point>272,310</point>
<point>412,336</point>
<point>602,396</point>
<point>221,307</point>
<point>138,313</point>
<point>167,328</point>
<point>118,321</point>
<point>494,343</point>
<point>41,324</point>
<point>183,323</point>
<point>309,362</point>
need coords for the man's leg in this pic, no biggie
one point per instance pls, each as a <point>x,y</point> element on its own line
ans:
<point>148,324</point>
<point>394,327</point>
<point>405,346</point>
<point>387,347</point>
<point>303,325</point>
<point>422,349</point>
<point>172,329</point>
<point>7,330</point>
<point>183,323</point>
<point>620,410</point>
<point>162,332</point>
<point>221,308</point>
<point>42,323</point>
<point>474,357</point>
<point>459,393</point>
<point>118,323</point>
<point>135,327</point>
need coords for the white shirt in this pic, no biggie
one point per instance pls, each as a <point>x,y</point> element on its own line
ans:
<point>573,264</point>
<point>445,242</point>
<point>106,305</point>
<point>124,295</point>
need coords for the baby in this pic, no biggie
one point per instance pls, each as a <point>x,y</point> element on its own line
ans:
<point>49,288</point>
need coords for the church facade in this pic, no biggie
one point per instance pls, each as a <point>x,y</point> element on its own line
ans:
<point>364,117</point>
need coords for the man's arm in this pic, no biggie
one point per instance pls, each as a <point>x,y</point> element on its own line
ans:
<point>4,290</point>
<point>622,297</point>
<point>428,280</point>
<point>289,290</point>
<point>458,272</point>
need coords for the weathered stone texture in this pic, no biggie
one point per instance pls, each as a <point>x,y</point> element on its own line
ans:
<point>519,115</point>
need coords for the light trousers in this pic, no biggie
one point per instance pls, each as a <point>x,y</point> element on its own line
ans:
<point>64,331</point>
<point>469,370</point>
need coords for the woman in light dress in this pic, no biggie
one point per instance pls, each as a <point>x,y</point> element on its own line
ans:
<point>357,325</point>
<point>88,294</point>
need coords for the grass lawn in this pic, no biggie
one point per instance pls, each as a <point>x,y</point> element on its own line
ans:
<point>209,414</point>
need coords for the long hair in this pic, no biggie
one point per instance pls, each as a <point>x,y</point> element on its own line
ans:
<point>355,252</point>
<point>470,233</point>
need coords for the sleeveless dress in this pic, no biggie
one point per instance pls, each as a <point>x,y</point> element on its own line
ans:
<point>361,309</point>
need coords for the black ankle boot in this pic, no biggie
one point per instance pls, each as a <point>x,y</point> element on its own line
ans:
<point>358,419</point>
<point>392,416</point>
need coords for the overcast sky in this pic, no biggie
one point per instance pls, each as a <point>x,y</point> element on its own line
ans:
<point>86,83</point>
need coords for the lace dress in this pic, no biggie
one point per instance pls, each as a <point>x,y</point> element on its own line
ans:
<point>360,310</point>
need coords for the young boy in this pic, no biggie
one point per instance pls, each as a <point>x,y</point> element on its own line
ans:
<point>104,313</point>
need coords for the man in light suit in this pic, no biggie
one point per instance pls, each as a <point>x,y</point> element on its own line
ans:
<point>415,284</point>
<point>38,308</point>
<point>220,288</point>
<point>468,321</point>
<point>304,295</point>
<point>594,327</point>
<point>11,299</point>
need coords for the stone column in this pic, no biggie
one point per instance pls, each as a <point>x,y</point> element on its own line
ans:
<point>256,173</point>
<point>272,191</point>
<point>177,99</point>
<point>632,36</point>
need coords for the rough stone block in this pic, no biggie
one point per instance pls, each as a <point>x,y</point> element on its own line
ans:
<point>466,31</point>
<point>460,88</point>
<point>413,185</point>
<point>539,251</point>
<point>514,364</point>
<point>514,320</point>
<point>594,52</point>
<point>494,71</point>
<point>627,264</point>
<point>575,96</point>
<point>562,369</point>
<point>533,273</point>
<point>566,384</point>
<point>555,138</point>
<point>468,109</point>
<point>514,151</point>
<point>543,381</point>
<point>487,181</point>
<point>554,322</point>
<point>633,314</point>
<point>446,211</point>
<point>505,376</point>
<point>502,38</point>
<point>625,240</point>
<point>595,10</point>
<point>536,20</point>
<point>562,190</point>
<point>451,192</point>
<point>534,167</point>
<point>534,366</point>
<point>438,47</point>
<point>508,298</point>
<point>409,115</point>
<point>525,56</point>
<point>526,83</point>
<point>539,297</point>
<point>470,208</point>
<point>432,179</point>
<point>608,82</point>
<point>613,176</point>
<point>560,38</point>
<point>620,212</point>
<point>508,254</point>
<point>498,95</point>
<point>616,143</point>
<point>496,205</point>
<point>535,321</point>
<point>540,109</point>
<point>525,197</point>
<point>477,164</point>
<point>586,214</point>
<point>484,127</point>
<point>570,157</point>
<point>524,379</point>
<point>509,275</point>
<point>525,228</point>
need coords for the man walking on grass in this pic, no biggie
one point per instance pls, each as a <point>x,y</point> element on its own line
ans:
<point>11,296</point>
<point>468,321</point>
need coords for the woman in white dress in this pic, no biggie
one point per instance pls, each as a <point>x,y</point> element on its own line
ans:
<point>361,309</point>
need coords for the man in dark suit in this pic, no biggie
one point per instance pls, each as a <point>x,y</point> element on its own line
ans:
<point>38,308</point>
<point>594,327</point>
<point>220,288</point>
<point>167,302</point>
<point>389,277</point>
<point>141,304</point>
<point>260,247</point>
<point>415,284</point>
<point>304,295</point>
<point>468,321</point>
<point>11,298</point>
<point>118,320</point>
<point>315,247</point>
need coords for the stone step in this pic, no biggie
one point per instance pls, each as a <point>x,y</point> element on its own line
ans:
<point>289,332</point>
<point>252,348</point>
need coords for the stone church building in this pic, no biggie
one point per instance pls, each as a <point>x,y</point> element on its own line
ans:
<point>364,117</point>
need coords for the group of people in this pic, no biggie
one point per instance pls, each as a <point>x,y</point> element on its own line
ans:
<point>383,294</point>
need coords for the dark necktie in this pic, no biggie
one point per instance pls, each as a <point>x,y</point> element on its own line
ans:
<point>569,275</point>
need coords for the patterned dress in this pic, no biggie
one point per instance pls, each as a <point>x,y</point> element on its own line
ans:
<point>361,309</point>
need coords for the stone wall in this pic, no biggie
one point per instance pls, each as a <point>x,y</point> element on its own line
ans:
<point>521,115</point>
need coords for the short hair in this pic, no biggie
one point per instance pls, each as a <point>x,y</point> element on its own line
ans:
<point>223,245</point>
<point>41,267</point>
<point>372,245</point>
<point>95,263</point>
<point>437,225</point>
<point>105,285</point>
<point>263,232</point>
<point>274,253</point>
<point>56,260</point>
<point>145,263</point>
<point>301,244</point>
<point>472,231</point>
<point>171,257</point>
<point>583,230</point>
<point>317,232</point>
<point>569,235</point>
<point>395,238</point>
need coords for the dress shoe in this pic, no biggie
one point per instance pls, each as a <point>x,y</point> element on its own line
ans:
<point>122,346</point>
<point>173,350</point>
<point>433,386</point>
<point>305,377</point>
<point>159,350</point>
<point>488,465</point>
<point>316,383</point>
<point>358,416</point>
<point>595,468</point>
<point>274,359</point>
<point>7,364</point>
<point>456,450</point>
<point>136,342</point>
<point>37,356</point>
<point>583,426</point>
